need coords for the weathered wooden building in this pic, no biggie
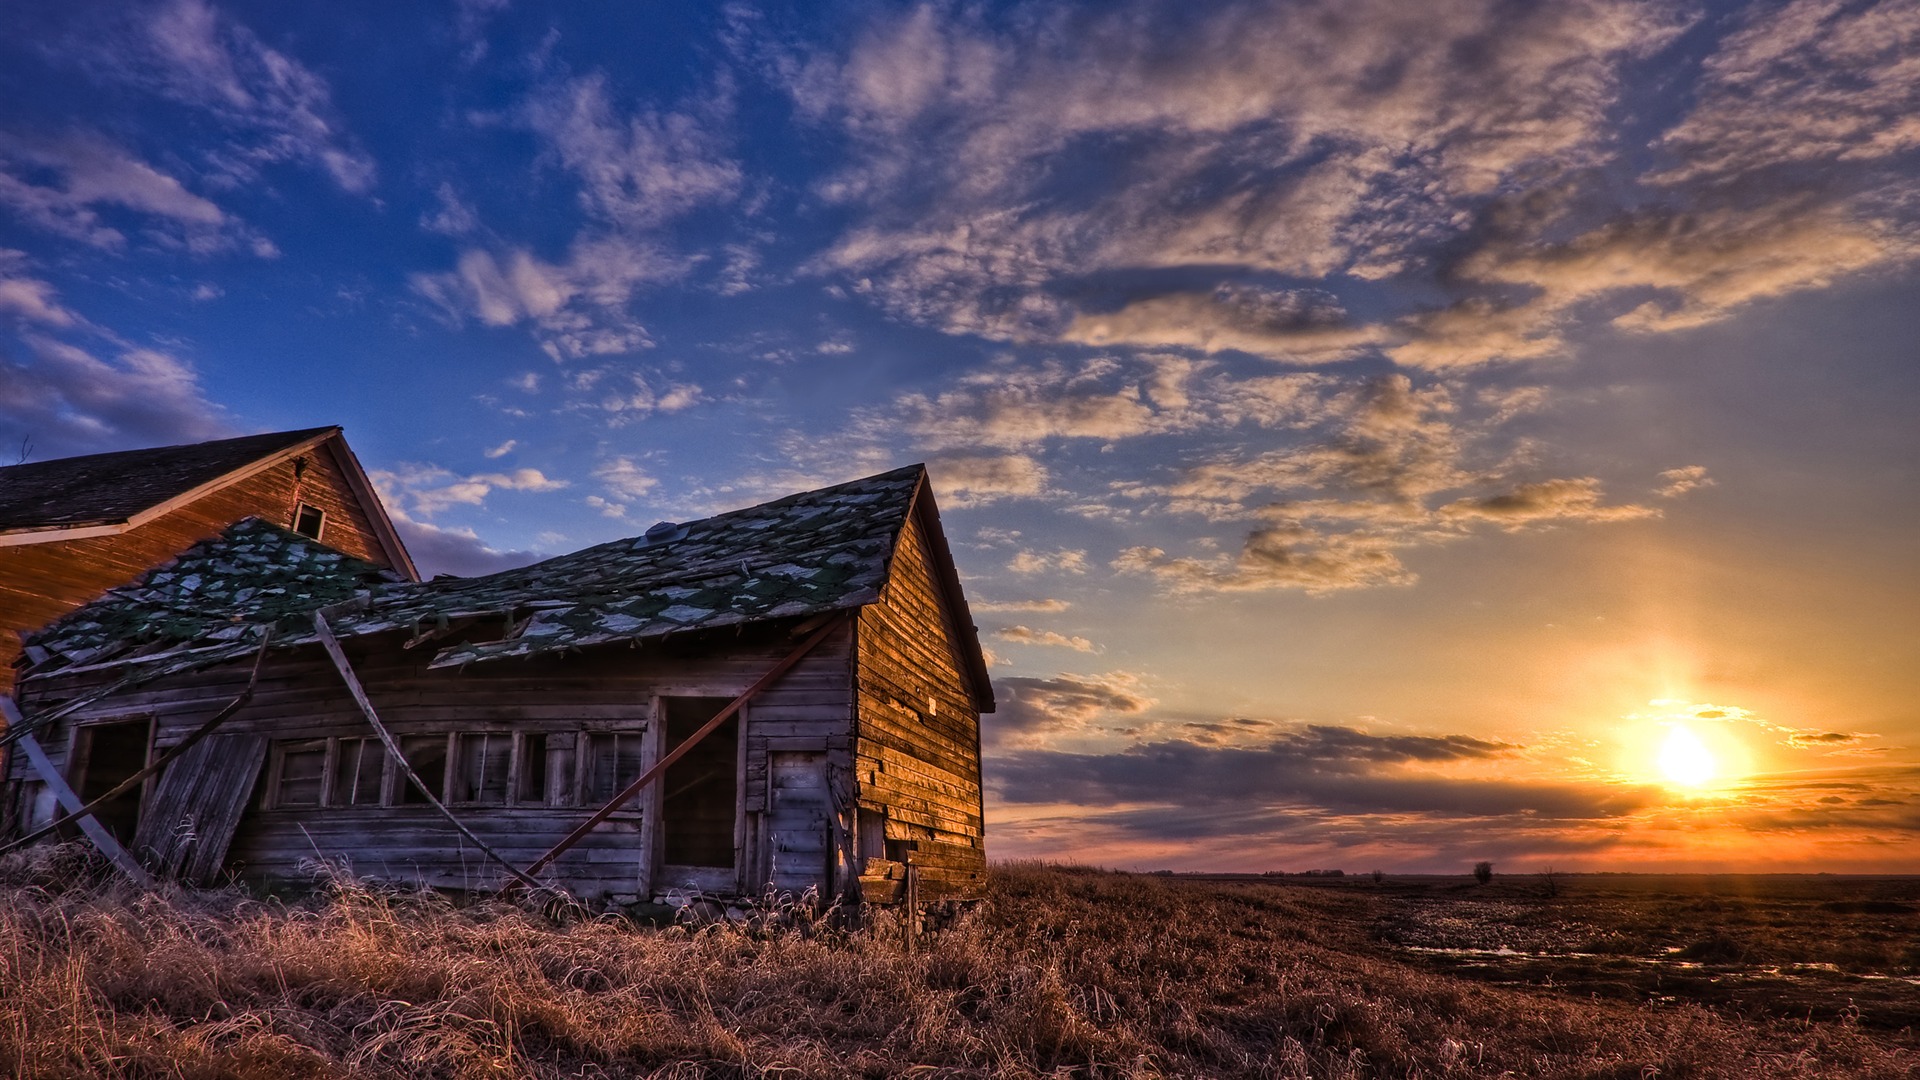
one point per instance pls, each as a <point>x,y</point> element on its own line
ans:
<point>72,528</point>
<point>799,684</point>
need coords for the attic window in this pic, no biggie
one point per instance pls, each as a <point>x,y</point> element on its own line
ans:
<point>309,520</point>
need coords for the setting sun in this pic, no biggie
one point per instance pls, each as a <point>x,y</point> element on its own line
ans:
<point>1685,761</point>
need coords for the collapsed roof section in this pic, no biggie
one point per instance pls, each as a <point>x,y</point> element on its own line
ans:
<point>806,554</point>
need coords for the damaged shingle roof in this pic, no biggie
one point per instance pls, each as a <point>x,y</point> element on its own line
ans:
<point>104,489</point>
<point>805,554</point>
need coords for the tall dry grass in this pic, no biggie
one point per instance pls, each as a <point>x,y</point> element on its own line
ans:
<point>1061,973</point>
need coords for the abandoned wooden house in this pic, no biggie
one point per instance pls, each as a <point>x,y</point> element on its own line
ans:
<point>72,528</point>
<point>783,697</point>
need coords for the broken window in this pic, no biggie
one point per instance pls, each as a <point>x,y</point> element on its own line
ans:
<point>481,770</point>
<point>357,769</point>
<point>614,760</point>
<point>531,784</point>
<point>308,521</point>
<point>427,754</point>
<point>299,775</point>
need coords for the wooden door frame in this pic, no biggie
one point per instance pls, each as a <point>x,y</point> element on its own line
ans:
<point>80,753</point>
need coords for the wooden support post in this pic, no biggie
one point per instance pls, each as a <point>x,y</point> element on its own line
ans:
<point>659,767</point>
<point>161,762</point>
<point>339,658</point>
<point>63,794</point>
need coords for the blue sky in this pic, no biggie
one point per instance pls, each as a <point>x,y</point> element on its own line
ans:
<point>1368,432</point>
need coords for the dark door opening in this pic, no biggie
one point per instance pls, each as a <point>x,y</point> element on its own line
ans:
<point>107,755</point>
<point>702,789</point>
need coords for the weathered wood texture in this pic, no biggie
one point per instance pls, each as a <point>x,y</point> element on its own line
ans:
<point>186,829</point>
<point>41,582</point>
<point>917,753</point>
<point>300,698</point>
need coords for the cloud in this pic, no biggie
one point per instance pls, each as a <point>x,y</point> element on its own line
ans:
<point>1807,81</point>
<point>454,216</point>
<point>1044,605</point>
<point>1305,139</point>
<point>1021,406</point>
<point>459,551</point>
<point>1023,635</point>
<point>1368,480</point>
<point>1062,561</point>
<point>1546,502</point>
<point>639,170</point>
<point>426,490</point>
<point>64,185</point>
<point>1034,710</point>
<point>28,298</point>
<point>1677,482</point>
<point>1330,770</point>
<point>967,481</point>
<point>578,309</point>
<point>70,401</point>
<point>278,109</point>
<point>625,479</point>
<point>503,449</point>
<point>1303,326</point>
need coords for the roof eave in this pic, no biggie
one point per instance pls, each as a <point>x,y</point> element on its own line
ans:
<point>376,510</point>
<point>963,628</point>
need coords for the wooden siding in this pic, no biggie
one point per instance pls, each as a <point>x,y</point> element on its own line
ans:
<point>41,582</point>
<point>917,752</point>
<point>612,688</point>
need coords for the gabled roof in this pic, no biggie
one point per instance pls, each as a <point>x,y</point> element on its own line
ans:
<point>112,489</point>
<point>806,554</point>
<point>106,494</point>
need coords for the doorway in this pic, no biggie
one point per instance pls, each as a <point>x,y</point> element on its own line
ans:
<point>104,757</point>
<point>700,792</point>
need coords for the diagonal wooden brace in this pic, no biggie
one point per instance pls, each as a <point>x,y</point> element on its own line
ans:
<point>660,767</point>
<point>63,794</point>
<point>167,758</point>
<point>339,658</point>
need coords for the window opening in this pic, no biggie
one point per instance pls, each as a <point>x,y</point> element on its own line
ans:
<point>702,788</point>
<point>483,770</point>
<point>428,756</point>
<point>109,755</point>
<point>613,761</point>
<point>309,520</point>
<point>303,767</point>
<point>357,772</point>
<point>533,768</point>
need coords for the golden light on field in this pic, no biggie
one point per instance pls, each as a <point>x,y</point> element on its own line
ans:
<point>1685,761</point>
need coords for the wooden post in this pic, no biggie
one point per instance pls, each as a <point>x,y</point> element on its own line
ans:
<point>63,794</point>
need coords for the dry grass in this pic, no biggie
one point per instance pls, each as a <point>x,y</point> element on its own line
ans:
<point>1061,973</point>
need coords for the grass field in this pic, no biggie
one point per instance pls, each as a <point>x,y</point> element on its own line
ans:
<point>1061,972</point>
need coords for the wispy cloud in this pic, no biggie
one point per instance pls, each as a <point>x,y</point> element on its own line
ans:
<point>1026,635</point>
<point>68,400</point>
<point>427,490</point>
<point>63,186</point>
<point>275,107</point>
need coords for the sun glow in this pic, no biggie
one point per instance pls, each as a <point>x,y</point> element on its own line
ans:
<point>1685,761</point>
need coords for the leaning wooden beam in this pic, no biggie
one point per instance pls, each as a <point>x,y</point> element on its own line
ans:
<point>63,794</point>
<point>161,762</point>
<point>659,768</point>
<point>332,645</point>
